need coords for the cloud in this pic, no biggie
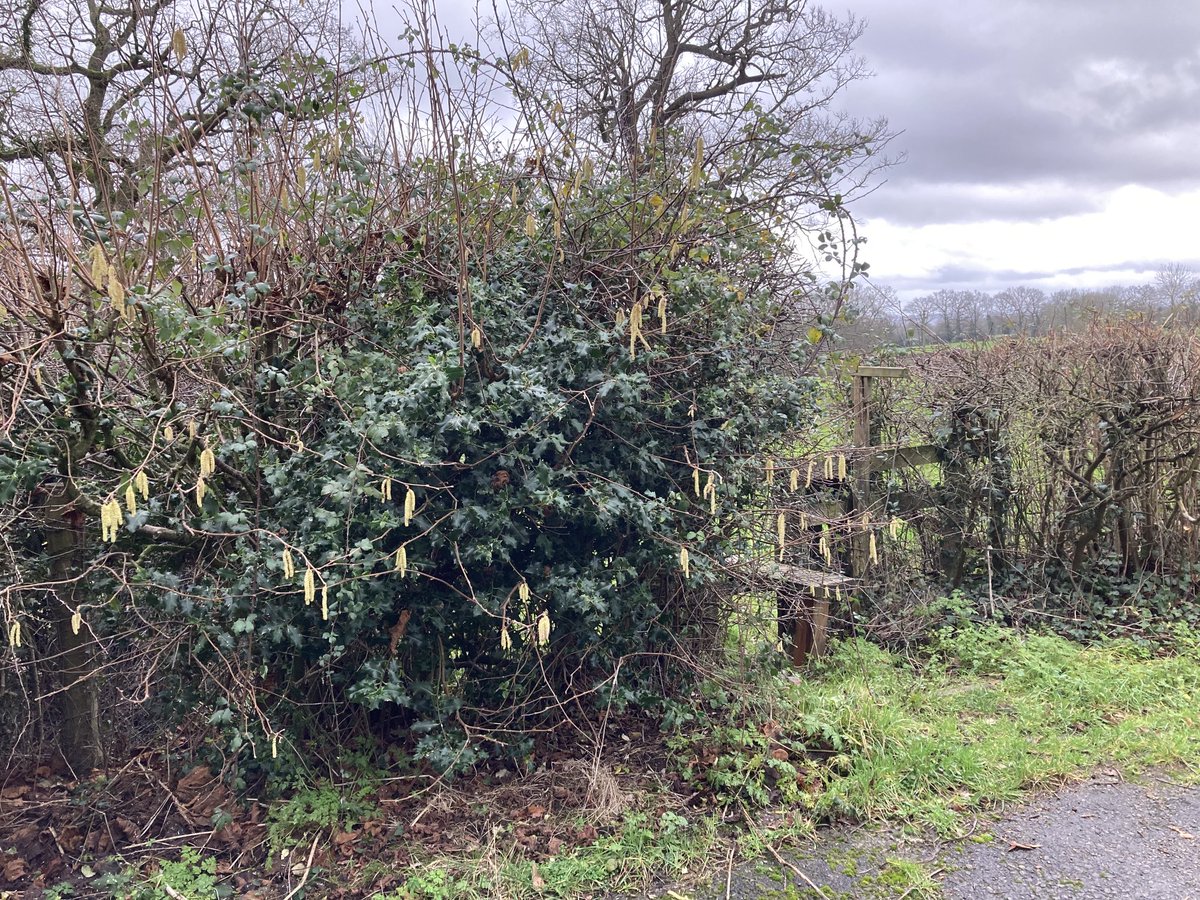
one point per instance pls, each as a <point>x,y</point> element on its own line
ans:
<point>1131,235</point>
<point>989,92</point>
<point>1042,139</point>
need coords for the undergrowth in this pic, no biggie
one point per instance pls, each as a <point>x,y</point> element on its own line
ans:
<point>982,716</point>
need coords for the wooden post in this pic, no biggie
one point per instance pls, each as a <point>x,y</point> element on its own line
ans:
<point>860,496</point>
<point>866,439</point>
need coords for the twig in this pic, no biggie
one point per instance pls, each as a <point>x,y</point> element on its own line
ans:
<point>775,853</point>
<point>812,884</point>
<point>171,892</point>
<point>729,876</point>
<point>307,869</point>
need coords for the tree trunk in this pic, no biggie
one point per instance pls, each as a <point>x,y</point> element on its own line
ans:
<point>79,739</point>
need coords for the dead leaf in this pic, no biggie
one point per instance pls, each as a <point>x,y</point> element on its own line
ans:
<point>397,631</point>
<point>1017,845</point>
<point>536,811</point>
<point>15,869</point>
<point>539,883</point>
<point>553,846</point>
<point>1186,835</point>
<point>14,792</point>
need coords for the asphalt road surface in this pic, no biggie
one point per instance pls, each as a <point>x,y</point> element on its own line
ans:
<point>1104,838</point>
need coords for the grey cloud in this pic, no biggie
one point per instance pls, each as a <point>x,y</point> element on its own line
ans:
<point>1089,94</point>
<point>964,277</point>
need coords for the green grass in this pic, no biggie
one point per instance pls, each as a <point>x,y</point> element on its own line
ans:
<point>991,714</point>
<point>981,718</point>
<point>626,860</point>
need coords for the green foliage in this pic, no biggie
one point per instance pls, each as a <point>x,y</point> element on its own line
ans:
<point>313,810</point>
<point>193,877</point>
<point>640,849</point>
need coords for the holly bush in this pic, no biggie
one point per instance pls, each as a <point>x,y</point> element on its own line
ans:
<point>438,447</point>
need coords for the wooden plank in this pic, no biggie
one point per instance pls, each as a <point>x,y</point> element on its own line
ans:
<point>882,372</point>
<point>806,577</point>
<point>906,457</point>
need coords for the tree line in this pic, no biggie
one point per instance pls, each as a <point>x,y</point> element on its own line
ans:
<point>876,315</point>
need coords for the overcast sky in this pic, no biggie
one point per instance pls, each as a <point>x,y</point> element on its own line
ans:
<point>1053,144</point>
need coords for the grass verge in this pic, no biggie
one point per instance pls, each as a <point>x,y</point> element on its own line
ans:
<point>982,716</point>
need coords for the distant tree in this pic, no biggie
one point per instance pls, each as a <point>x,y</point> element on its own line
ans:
<point>872,316</point>
<point>1020,309</point>
<point>1178,290</point>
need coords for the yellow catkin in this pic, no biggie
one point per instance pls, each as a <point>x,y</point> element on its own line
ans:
<point>99,266</point>
<point>795,482</point>
<point>385,488</point>
<point>116,292</point>
<point>201,490</point>
<point>841,467</point>
<point>14,634</point>
<point>289,564</point>
<point>804,521</point>
<point>712,497</point>
<point>895,526</point>
<point>696,480</point>
<point>325,602</point>
<point>76,621</point>
<point>530,225</point>
<point>476,338</point>
<point>169,434</point>
<point>697,164</point>
<point>193,428</point>
<point>310,586</point>
<point>505,638</point>
<point>662,314</point>
<point>402,560</point>
<point>873,551</point>
<point>685,562</point>
<point>410,506</point>
<point>808,478</point>
<point>274,746</point>
<point>543,628</point>
<point>829,468</point>
<point>781,530</point>
<point>208,462</point>
<point>130,499</point>
<point>179,45</point>
<point>635,327</point>
<point>523,591</point>
<point>143,484</point>
<point>110,520</point>
<point>770,471</point>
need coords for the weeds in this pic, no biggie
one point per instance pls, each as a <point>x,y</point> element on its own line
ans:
<point>984,715</point>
